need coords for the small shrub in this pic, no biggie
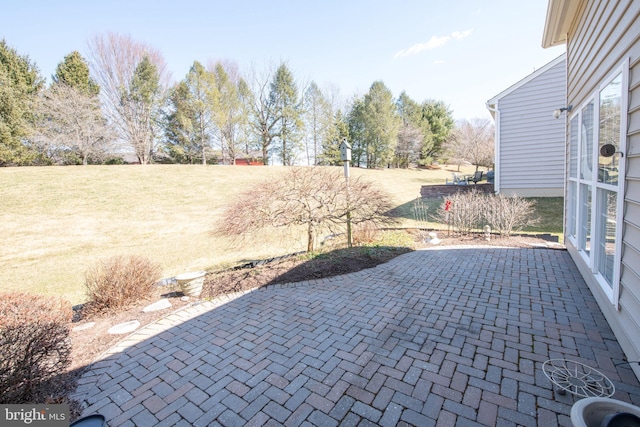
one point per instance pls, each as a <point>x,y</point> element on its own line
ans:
<point>472,210</point>
<point>114,161</point>
<point>365,232</point>
<point>465,212</point>
<point>508,214</point>
<point>119,282</point>
<point>34,346</point>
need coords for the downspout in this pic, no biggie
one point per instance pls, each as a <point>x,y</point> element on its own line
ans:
<point>567,123</point>
<point>496,160</point>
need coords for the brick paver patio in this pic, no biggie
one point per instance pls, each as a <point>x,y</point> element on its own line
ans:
<point>435,337</point>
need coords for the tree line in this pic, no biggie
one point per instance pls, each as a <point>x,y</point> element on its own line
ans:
<point>121,99</point>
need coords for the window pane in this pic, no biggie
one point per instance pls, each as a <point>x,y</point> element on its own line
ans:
<point>572,190</point>
<point>610,103</point>
<point>573,147</point>
<point>585,218</point>
<point>586,148</point>
<point>606,229</point>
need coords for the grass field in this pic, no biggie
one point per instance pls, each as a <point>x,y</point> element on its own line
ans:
<point>59,221</point>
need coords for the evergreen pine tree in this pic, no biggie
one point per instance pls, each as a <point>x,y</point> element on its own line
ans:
<point>20,82</point>
<point>73,71</point>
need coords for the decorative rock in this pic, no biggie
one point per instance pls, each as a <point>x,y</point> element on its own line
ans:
<point>166,281</point>
<point>158,305</point>
<point>84,326</point>
<point>185,298</point>
<point>124,328</point>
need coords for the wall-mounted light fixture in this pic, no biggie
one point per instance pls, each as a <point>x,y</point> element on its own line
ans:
<point>556,113</point>
<point>608,150</point>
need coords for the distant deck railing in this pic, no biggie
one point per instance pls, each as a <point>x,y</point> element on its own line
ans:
<point>440,190</point>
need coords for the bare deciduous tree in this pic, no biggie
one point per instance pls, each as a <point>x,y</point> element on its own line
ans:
<point>114,60</point>
<point>311,197</point>
<point>231,114</point>
<point>408,148</point>
<point>473,141</point>
<point>317,116</point>
<point>69,121</point>
<point>264,116</point>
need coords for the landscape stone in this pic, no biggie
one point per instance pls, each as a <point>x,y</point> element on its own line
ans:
<point>124,328</point>
<point>84,326</point>
<point>157,306</point>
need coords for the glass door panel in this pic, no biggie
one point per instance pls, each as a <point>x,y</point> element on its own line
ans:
<point>606,229</point>
<point>572,198</point>
<point>586,143</point>
<point>585,218</point>
<point>609,131</point>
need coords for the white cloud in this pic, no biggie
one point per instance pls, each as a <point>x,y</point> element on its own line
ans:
<point>459,35</point>
<point>438,61</point>
<point>433,43</point>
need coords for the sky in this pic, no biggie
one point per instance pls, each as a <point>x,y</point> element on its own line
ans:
<point>461,52</point>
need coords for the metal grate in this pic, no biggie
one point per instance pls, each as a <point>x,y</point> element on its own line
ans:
<point>577,378</point>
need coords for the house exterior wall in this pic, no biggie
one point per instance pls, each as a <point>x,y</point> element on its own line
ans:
<point>529,140</point>
<point>603,38</point>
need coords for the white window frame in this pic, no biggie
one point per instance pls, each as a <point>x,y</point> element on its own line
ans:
<point>591,257</point>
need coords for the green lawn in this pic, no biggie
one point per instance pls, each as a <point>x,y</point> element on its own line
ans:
<point>549,210</point>
<point>59,221</point>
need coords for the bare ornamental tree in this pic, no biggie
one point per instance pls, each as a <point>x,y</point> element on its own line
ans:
<point>311,197</point>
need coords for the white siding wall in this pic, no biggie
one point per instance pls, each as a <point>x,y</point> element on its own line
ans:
<point>606,34</point>
<point>532,144</point>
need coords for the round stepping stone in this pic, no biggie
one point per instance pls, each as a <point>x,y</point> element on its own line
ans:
<point>84,326</point>
<point>124,328</point>
<point>158,305</point>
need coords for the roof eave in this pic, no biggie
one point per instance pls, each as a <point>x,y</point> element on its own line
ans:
<point>560,15</point>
